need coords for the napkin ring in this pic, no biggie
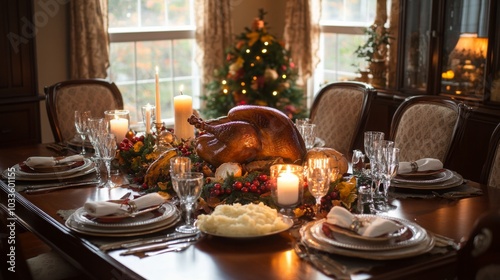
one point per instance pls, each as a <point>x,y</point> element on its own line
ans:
<point>414,166</point>
<point>355,225</point>
<point>132,207</point>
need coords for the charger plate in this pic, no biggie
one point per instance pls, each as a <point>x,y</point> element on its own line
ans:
<point>423,247</point>
<point>85,169</point>
<point>414,235</point>
<point>437,178</point>
<point>454,181</point>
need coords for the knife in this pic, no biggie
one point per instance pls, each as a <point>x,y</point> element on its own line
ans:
<point>144,241</point>
<point>56,186</point>
<point>155,247</point>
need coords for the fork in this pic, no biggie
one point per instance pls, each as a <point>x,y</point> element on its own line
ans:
<point>327,265</point>
<point>171,249</point>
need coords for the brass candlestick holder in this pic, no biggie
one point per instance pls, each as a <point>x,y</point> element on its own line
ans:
<point>164,138</point>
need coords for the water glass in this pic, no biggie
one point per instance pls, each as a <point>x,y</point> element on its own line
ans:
<point>307,131</point>
<point>319,173</point>
<point>107,150</point>
<point>390,163</point>
<point>188,187</point>
<point>365,200</point>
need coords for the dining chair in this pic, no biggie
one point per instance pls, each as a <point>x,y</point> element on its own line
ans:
<point>340,111</point>
<point>491,169</point>
<point>46,265</point>
<point>64,98</point>
<point>428,127</point>
<point>479,257</point>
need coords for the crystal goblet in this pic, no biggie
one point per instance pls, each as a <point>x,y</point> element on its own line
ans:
<point>81,121</point>
<point>188,187</point>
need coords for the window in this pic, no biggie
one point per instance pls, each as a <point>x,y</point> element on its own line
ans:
<point>342,30</point>
<point>146,34</point>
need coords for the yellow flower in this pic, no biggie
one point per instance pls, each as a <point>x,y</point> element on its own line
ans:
<point>267,38</point>
<point>150,156</point>
<point>252,38</point>
<point>138,146</point>
<point>347,192</point>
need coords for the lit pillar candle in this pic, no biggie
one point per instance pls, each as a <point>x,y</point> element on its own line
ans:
<point>157,99</point>
<point>119,127</point>
<point>287,188</point>
<point>183,109</point>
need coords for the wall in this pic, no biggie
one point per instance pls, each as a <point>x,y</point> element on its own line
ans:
<point>52,46</point>
<point>52,40</point>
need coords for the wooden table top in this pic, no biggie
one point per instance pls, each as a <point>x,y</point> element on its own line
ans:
<point>220,258</point>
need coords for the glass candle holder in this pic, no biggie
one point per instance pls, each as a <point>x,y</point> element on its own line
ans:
<point>118,121</point>
<point>287,181</point>
<point>148,116</point>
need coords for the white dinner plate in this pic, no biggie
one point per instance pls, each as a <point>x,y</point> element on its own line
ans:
<point>413,236</point>
<point>454,181</point>
<point>423,247</point>
<point>65,174</point>
<point>398,234</point>
<point>166,211</point>
<point>438,178</point>
<point>287,220</point>
<point>77,227</point>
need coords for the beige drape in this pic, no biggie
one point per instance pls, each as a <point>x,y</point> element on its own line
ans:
<point>213,34</point>
<point>89,38</point>
<point>302,33</point>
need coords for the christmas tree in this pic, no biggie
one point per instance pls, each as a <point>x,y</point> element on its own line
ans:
<point>258,71</point>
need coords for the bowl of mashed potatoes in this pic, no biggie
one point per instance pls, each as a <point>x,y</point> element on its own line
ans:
<point>243,221</point>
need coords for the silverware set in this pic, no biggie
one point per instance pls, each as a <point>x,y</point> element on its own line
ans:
<point>55,186</point>
<point>173,242</point>
<point>324,263</point>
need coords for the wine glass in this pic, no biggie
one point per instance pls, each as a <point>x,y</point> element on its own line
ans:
<point>319,174</point>
<point>390,163</point>
<point>107,152</point>
<point>369,142</point>
<point>81,120</point>
<point>379,167</point>
<point>188,186</point>
<point>95,128</point>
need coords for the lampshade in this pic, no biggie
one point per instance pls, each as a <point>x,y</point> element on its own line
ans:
<point>470,42</point>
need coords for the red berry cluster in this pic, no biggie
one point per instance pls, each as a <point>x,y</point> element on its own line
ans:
<point>326,201</point>
<point>259,185</point>
<point>128,144</point>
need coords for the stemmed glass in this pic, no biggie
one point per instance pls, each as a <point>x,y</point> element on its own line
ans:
<point>96,127</point>
<point>188,186</point>
<point>81,120</point>
<point>390,164</point>
<point>319,174</point>
<point>371,137</point>
<point>107,151</point>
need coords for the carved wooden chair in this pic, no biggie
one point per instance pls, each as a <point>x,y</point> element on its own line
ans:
<point>428,126</point>
<point>480,257</point>
<point>64,98</point>
<point>340,110</point>
<point>491,169</point>
<point>46,265</point>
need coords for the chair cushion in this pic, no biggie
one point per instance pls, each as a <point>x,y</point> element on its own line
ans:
<point>494,178</point>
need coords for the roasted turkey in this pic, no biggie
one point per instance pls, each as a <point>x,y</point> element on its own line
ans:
<point>248,133</point>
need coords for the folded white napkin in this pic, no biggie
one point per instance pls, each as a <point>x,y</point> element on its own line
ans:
<point>341,217</point>
<point>424,164</point>
<point>104,208</point>
<point>50,161</point>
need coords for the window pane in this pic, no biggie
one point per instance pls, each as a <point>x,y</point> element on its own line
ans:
<point>123,13</point>
<point>151,54</point>
<point>122,56</point>
<point>349,11</point>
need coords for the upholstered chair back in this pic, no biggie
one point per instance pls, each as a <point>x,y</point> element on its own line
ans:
<point>427,126</point>
<point>339,111</point>
<point>491,168</point>
<point>63,99</point>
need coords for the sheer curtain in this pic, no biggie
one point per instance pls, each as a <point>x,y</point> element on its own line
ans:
<point>302,33</point>
<point>89,39</point>
<point>213,34</point>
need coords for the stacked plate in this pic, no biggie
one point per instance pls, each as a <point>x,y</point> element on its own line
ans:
<point>58,172</point>
<point>439,179</point>
<point>146,221</point>
<point>409,240</point>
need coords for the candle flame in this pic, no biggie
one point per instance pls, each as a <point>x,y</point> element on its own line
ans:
<point>157,69</point>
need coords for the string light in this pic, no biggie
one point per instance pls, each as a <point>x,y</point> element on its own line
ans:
<point>266,43</point>
<point>254,78</point>
<point>248,51</point>
<point>264,50</point>
<point>252,65</point>
<point>275,93</point>
<point>257,58</point>
<point>244,91</point>
<point>242,84</point>
<point>284,76</point>
<point>224,91</point>
<point>224,82</point>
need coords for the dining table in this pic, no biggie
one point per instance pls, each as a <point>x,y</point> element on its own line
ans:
<point>215,257</point>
